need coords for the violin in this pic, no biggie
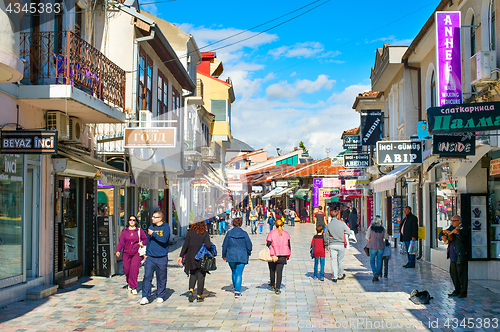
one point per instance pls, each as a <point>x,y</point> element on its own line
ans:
<point>448,236</point>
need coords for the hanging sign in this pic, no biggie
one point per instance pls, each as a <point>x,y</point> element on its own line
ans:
<point>150,137</point>
<point>29,142</point>
<point>358,160</point>
<point>346,192</point>
<point>282,184</point>
<point>235,186</point>
<point>350,172</point>
<point>356,184</point>
<point>351,142</point>
<point>495,167</point>
<point>337,161</point>
<point>399,152</point>
<point>371,126</point>
<point>327,182</point>
<point>456,145</point>
<point>422,132</point>
<point>448,58</point>
<point>315,196</point>
<point>464,118</point>
<point>293,183</point>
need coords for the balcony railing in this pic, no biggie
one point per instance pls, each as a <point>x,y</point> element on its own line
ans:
<point>212,153</point>
<point>62,57</point>
<point>193,142</point>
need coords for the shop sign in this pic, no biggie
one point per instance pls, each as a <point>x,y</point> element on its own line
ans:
<point>337,161</point>
<point>351,142</point>
<point>449,58</point>
<point>356,184</point>
<point>329,193</point>
<point>422,132</point>
<point>495,167</point>
<point>369,210</point>
<point>198,182</point>
<point>327,183</point>
<point>463,118</point>
<point>315,196</point>
<point>399,152</point>
<point>293,183</point>
<point>29,142</point>
<point>282,184</point>
<point>257,189</point>
<point>103,245</point>
<point>345,192</point>
<point>114,179</point>
<point>235,186</point>
<point>11,167</point>
<point>371,126</point>
<point>350,172</point>
<point>457,145</point>
<point>150,137</point>
<point>359,160</point>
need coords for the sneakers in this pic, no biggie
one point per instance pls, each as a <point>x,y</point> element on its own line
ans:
<point>134,291</point>
<point>375,278</point>
<point>129,289</point>
<point>278,292</point>
<point>342,278</point>
<point>334,280</point>
<point>159,300</point>
<point>386,278</point>
<point>321,279</point>
<point>271,288</point>
<point>190,297</point>
<point>199,299</point>
<point>314,277</point>
<point>144,301</point>
<point>237,295</point>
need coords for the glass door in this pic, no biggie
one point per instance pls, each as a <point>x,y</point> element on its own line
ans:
<point>32,221</point>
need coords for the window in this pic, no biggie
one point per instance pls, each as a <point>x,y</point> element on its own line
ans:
<point>401,104</point>
<point>433,90</point>
<point>145,81</point>
<point>162,94</point>
<point>176,102</point>
<point>472,37</point>
<point>219,109</point>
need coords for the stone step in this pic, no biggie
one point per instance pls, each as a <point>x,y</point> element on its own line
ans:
<point>66,281</point>
<point>41,292</point>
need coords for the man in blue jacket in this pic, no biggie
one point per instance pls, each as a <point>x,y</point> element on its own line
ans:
<point>236,249</point>
<point>157,258</point>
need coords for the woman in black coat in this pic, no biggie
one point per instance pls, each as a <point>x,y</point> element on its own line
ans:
<point>195,238</point>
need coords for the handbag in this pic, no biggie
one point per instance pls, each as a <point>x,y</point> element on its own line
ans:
<point>141,250</point>
<point>367,251</point>
<point>265,255</point>
<point>208,263</point>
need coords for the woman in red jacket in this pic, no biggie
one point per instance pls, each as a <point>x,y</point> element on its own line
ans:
<point>131,238</point>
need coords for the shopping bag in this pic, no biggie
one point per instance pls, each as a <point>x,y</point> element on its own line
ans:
<point>352,237</point>
<point>412,248</point>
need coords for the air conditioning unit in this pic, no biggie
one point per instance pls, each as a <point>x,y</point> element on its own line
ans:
<point>481,65</point>
<point>75,130</point>
<point>60,122</point>
<point>145,119</point>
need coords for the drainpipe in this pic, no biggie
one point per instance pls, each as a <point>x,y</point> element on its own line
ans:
<point>419,189</point>
<point>135,65</point>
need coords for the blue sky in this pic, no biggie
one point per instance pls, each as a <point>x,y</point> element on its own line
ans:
<point>298,81</point>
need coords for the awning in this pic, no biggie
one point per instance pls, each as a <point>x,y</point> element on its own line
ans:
<point>215,184</point>
<point>271,193</point>
<point>388,181</point>
<point>333,199</point>
<point>279,193</point>
<point>303,194</point>
<point>91,166</point>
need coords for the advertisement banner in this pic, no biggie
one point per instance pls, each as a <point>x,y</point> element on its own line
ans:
<point>463,118</point>
<point>235,186</point>
<point>399,152</point>
<point>356,184</point>
<point>327,183</point>
<point>495,167</point>
<point>369,210</point>
<point>359,160</point>
<point>351,142</point>
<point>449,58</point>
<point>371,126</point>
<point>454,145</point>
<point>315,196</point>
<point>350,172</point>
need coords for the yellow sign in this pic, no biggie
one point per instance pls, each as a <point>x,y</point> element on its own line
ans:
<point>421,233</point>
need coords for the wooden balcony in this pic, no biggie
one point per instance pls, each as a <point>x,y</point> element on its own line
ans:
<point>63,58</point>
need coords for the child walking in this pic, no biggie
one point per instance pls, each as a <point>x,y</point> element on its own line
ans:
<point>319,253</point>
<point>386,256</point>
<point>261,225</point>
<point>270,221</point>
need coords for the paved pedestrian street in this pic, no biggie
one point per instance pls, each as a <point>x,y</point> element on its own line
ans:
<point>356,303</point>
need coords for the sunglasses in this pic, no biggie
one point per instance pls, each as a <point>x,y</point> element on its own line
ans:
<point>132,219</point>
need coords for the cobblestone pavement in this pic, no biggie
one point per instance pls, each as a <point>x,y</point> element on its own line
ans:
<point>355,303</point>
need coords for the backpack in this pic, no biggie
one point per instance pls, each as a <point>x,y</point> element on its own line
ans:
<point>311,251</point>
<point>422,297</point>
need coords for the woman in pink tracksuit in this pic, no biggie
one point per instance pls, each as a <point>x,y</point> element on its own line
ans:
<point>278,241</point>
<point>129,242</point>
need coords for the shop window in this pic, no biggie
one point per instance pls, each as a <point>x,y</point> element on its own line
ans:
<point>71,222</point>
<point>433,89</point>
<point>11,215</point>
<point>447,202</point>
<point>494,205</point>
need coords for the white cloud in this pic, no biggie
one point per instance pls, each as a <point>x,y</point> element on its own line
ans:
<point>299,50</point>
<point>391,40</point>
<point>284,90</point>
<point>270,124</point>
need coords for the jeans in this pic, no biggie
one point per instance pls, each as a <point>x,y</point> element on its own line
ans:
<point>156,265</point>
<point>376,261</point>
<point>411,258</point>
<point>222,227</point>
<point>261,227</point>
<point>253,223</point>
<point>337,252</point>
<point>292,221</point>
<point>271,227</point>
<point>237,275</point>
<point>385,265</point>
<point>321,261</point>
